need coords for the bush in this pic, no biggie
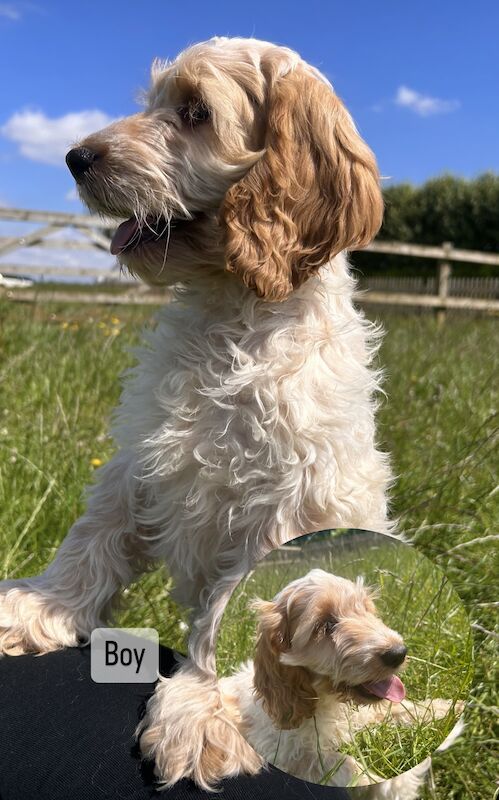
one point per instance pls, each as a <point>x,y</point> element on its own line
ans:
<point>444,209</point>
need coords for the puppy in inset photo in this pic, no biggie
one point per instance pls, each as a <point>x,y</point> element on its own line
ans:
<point>325,667</point>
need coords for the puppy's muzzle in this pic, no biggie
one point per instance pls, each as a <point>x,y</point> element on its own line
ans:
<point>79,160</point>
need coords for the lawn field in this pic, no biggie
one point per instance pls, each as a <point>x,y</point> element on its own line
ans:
<point>59,380</point>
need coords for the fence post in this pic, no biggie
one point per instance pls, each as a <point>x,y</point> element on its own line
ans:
<point>444,273</point>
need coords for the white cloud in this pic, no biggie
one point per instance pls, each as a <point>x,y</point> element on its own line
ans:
<point>423,104</point>
<point>9,12</point>
<point>16,11</point>
<point>47,140</point>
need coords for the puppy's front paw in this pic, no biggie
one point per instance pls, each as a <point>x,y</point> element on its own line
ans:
<point>31,621</point>
<point>188,734</point>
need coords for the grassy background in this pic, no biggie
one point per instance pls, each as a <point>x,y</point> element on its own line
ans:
<point>59,369</point>
<point>415,598</point>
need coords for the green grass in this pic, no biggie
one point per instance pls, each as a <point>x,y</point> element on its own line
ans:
<point>59,384</point>
<point>415,598</point>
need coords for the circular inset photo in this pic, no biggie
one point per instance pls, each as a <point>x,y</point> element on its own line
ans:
<point>345,658</point>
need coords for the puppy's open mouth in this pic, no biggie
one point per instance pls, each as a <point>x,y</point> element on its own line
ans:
<point>130,234</point>
<point>389,689</point>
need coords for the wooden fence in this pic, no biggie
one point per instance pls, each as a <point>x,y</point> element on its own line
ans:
<point>441,292</point>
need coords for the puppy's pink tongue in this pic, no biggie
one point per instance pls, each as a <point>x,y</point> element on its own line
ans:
<point>391,689</point>
<point>123,234</point>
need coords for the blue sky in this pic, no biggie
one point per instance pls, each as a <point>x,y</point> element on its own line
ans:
<point>419,78</point>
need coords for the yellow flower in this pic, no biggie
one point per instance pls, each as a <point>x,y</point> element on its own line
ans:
<point>96,462</point>
<point>65,325</point>
<point>101,325</point>
<point>74,326</point>
<point>115,320</point>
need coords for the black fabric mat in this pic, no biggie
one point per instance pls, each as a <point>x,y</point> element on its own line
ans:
<point>64,737</point>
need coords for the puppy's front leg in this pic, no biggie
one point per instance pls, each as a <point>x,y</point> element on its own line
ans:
<point>75,594</point>
<point>189,734</point>
<point>424,711</point>
<point>187,730</point>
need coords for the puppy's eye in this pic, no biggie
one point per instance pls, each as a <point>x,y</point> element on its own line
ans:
<point>329,626</point>
<point>194,113</point>
<point>326,627</point>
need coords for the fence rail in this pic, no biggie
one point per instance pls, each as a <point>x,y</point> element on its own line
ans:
<point>458,287</point>
<point>446,252</point>
<point>441,292</point>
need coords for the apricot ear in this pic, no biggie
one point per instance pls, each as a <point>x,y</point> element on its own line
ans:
<point>287,694</point>
<point>314,192</point>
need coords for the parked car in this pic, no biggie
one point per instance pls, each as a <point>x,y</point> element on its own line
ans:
<point>15,281</point>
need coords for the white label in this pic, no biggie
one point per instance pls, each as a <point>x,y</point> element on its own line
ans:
<point>124,655</point>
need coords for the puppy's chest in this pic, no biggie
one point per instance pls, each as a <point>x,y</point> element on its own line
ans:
<point>200,400</point>
<point>232,399</point>
<point>215,396</point>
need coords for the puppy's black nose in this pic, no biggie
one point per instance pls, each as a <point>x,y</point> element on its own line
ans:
<point>394,656</point>
<point>79,159</point>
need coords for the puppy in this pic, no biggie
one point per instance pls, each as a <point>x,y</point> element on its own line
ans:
<point>250,418</point>
<point>325,667</point>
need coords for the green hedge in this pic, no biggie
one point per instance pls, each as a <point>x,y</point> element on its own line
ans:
<point>444,209</point>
